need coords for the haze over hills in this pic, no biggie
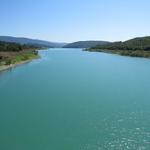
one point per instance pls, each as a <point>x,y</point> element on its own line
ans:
<point>29,41</point>
<point>42,43</point>
<point>85,44</point>
<point>139,43</point>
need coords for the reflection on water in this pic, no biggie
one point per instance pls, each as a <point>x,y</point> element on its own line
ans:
<point>74,100</point>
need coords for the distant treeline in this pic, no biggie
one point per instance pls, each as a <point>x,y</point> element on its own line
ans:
<point>14,47</point>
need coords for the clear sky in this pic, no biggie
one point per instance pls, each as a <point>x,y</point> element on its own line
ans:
<point>73,20</point>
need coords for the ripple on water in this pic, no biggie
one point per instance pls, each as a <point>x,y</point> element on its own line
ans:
<point>122,132</point>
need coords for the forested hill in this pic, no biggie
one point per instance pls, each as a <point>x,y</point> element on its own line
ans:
<point>142,43</point>
<point>137,47</point>
<point>85,44</point>
<point>28,41</point>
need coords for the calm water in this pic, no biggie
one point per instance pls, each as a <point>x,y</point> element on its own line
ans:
<point>75,100</point>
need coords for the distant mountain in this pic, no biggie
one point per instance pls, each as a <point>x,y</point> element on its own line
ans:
<point>28,41</point>
<point>85,44</point>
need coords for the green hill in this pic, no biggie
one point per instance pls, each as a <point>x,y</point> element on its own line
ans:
<point>135,47</point>
<point>85,44</point>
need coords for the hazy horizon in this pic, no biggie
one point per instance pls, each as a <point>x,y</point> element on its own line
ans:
<point>71,41</point>
<point>70,21</point>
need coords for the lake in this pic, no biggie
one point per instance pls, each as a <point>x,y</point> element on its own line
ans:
<point>70,99</point>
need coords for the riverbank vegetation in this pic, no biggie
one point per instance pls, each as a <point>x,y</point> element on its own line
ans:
<point>138,47</point>
<point>12,53</point>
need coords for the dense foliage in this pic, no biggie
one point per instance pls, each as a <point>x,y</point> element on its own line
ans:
<point>133,44</point>
<point>14,47</point>
<point>11,53</point>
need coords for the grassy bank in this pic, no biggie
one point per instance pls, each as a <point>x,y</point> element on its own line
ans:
<point>12,54</point>
<point>8,58</point>
<point>12,59</point>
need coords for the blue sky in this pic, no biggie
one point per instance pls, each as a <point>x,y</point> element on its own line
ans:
<point>73,20</point>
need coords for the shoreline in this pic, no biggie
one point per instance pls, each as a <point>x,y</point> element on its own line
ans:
<point>137,53</point>
<point>7,67</point>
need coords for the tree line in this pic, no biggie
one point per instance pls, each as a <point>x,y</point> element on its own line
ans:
<point>14,47</point>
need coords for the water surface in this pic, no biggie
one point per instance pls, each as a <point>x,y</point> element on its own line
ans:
<point>75,100</point>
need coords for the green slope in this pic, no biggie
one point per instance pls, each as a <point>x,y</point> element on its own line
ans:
<point>85,44</point>
<point>139,47</point>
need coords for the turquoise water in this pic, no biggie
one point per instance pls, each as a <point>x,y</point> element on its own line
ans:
<point>75,100</point>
